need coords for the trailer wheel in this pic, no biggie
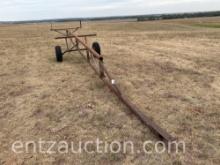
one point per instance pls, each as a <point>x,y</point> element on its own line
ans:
<point>59,55</point>
<point>96,47</point>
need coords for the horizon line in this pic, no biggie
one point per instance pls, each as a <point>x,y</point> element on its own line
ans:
<point>106,17</point>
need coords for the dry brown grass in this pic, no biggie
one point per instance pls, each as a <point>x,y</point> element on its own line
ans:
<point>170,69</point>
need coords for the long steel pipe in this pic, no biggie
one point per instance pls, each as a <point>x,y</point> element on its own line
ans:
<point>163,134</point>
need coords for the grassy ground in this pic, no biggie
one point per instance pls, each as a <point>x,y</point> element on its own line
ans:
<point>170,69</point>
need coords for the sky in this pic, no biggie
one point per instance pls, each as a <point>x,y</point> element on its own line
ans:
<point>18,10</point>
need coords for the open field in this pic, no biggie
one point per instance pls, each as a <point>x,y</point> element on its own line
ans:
<point>170,69</point>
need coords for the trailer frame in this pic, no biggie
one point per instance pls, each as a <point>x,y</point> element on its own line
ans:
<point>96,61</point>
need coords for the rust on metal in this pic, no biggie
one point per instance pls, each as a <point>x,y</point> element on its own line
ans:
<point>96,61</point>
<point>73,36</point>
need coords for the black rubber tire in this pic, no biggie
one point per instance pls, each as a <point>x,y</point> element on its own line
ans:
<point>59,55</point>
<point>96,46</point>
